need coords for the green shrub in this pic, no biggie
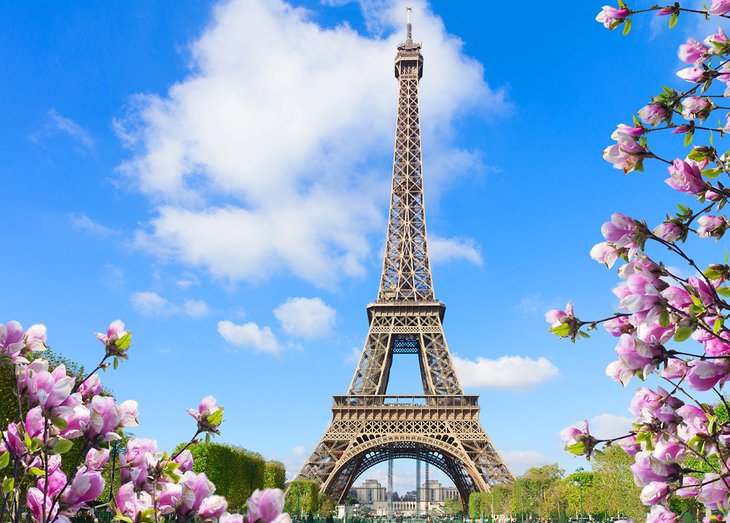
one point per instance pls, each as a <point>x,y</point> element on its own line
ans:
<point>302,498</point>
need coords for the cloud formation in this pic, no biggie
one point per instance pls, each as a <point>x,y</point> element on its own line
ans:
<point>506,372</point>
<point>606,426</point>
<point>249,336</point>
<point>150,303</point>
<point>443,250</point>
<point>55,123</point>
<point>309,318</point>
<point>273,154</point>
<point>521,460</point>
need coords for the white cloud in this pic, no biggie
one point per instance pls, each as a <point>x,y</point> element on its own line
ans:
<point>605,426</point>
<point>531,304</point>
<point>306,317</point>
<point>150,303</point>
<point>249,336</point>
<point>506,372</point>
<point>521,460</point>
<point>353,356</point>
<point>83,222</point>
<point>273,155</point>
<point>447,249</point>
<point>56,123</point>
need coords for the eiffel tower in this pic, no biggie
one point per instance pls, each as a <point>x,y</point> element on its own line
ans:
<point>440,427</point>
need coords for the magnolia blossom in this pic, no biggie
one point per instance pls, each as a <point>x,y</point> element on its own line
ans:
<point>660,514</point>
<point>714,492</point>
<point>605,253</point>
<point>610,17</point>
<point>719,7</point>
<point>685,176</point>
<point>655,492</point>
<point>626,153</point>
<point>693,51</point>
<point>265,505</point>
<point>692,74</point>
<point>653,114</point>
<point>711,226</point>
<point>716,42</point>
<point>704,374</point>
<point>696,108</point>
<point>208,415</point>
<point>647,468</point>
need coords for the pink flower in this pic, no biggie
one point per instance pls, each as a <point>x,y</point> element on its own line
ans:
<point>714,493</point>
<point>685,177</point>
<point>35,338</point>
<point>627,153</point>
<point>667,451</point>
<point>231,518</point>
<point>719,7</point>
<point>605,253</point>
<point>86,486</point>
<point>716,347</point>
<point>647,468</point>
<point>50,389</point>
<point>668,231</point>
<point>11,340</point>
<point>618,326</point>
<point>611,17</point>
<point>619,371</point>
<point>655,492</point>
<point>185,460</point>
<point>704,374</point>
<point>265,505</point>
<point>716,42</point>
<point>711,226</point>
<point>90,387</point>
<point>660,514</point>
<point>666,11</point>
<point>653,114</point>
<point>689,488</point>
<point>114,333</point>
<point>704,291</point>
<point>694,422</point>
<point>692,52</point>
<point>130,503</point>
<point>104,419</point>
<point>629,445</point>
<point>169,498</point>
<point>196,487</point>
<point>692,74</point>
<point>209,415</point>
<point>213,507</point>
<point>674,369</point>
<point>696,108</point>
<point>677,297</point>
<point>96,459</point>
<point>621,230</point>
<point>649,404</point>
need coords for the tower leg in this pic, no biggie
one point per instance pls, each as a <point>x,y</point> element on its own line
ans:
<point>418,485</point>
<point>390,484</point>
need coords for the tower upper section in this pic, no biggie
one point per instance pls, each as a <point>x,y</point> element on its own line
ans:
<point>406,269</point>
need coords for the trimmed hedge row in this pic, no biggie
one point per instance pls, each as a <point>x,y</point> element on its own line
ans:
<point>274,475</point>
<point>235,471</point>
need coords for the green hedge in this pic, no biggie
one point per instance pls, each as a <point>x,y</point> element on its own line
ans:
<point>302,498</point>
<point>274,475</point>
<point>235,471</point>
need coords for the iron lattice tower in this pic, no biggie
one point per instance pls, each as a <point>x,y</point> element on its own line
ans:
<point>440,427</point>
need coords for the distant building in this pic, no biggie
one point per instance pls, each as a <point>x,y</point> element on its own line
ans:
<point>374,498</point>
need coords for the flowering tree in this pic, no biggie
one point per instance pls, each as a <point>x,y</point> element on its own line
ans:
<point>57,411</point>
<point>667,325</point>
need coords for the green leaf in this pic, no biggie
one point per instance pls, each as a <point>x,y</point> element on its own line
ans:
<point>627,26</point>
<point>684,209</point>
<point>712,141</point>
<point>561,330</point>
<point>578,448</point>
<point>584,334</point>
<point>673,20</point>
<point>723,291</point>
<point>116,363</point>
<point>713,274</point>
<point>216,418</point>
<point>688,138</point>
<point>60,423</point>
<point>36,471</point>
<point>621,4</point>
<point>207,438</point>
<point>697,154</point>
<point>8,485</point>
<point>664,318</point>
<point>62,446</point>
<point>711,173</point>
<point>4,459</point>
<point>125,341</point>
<point>682,333</point>
<point>718,325</point>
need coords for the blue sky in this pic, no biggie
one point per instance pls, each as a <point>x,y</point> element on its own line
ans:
<point>216,174</point>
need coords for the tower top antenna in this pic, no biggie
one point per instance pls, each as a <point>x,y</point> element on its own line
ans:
<point>409,37</point>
